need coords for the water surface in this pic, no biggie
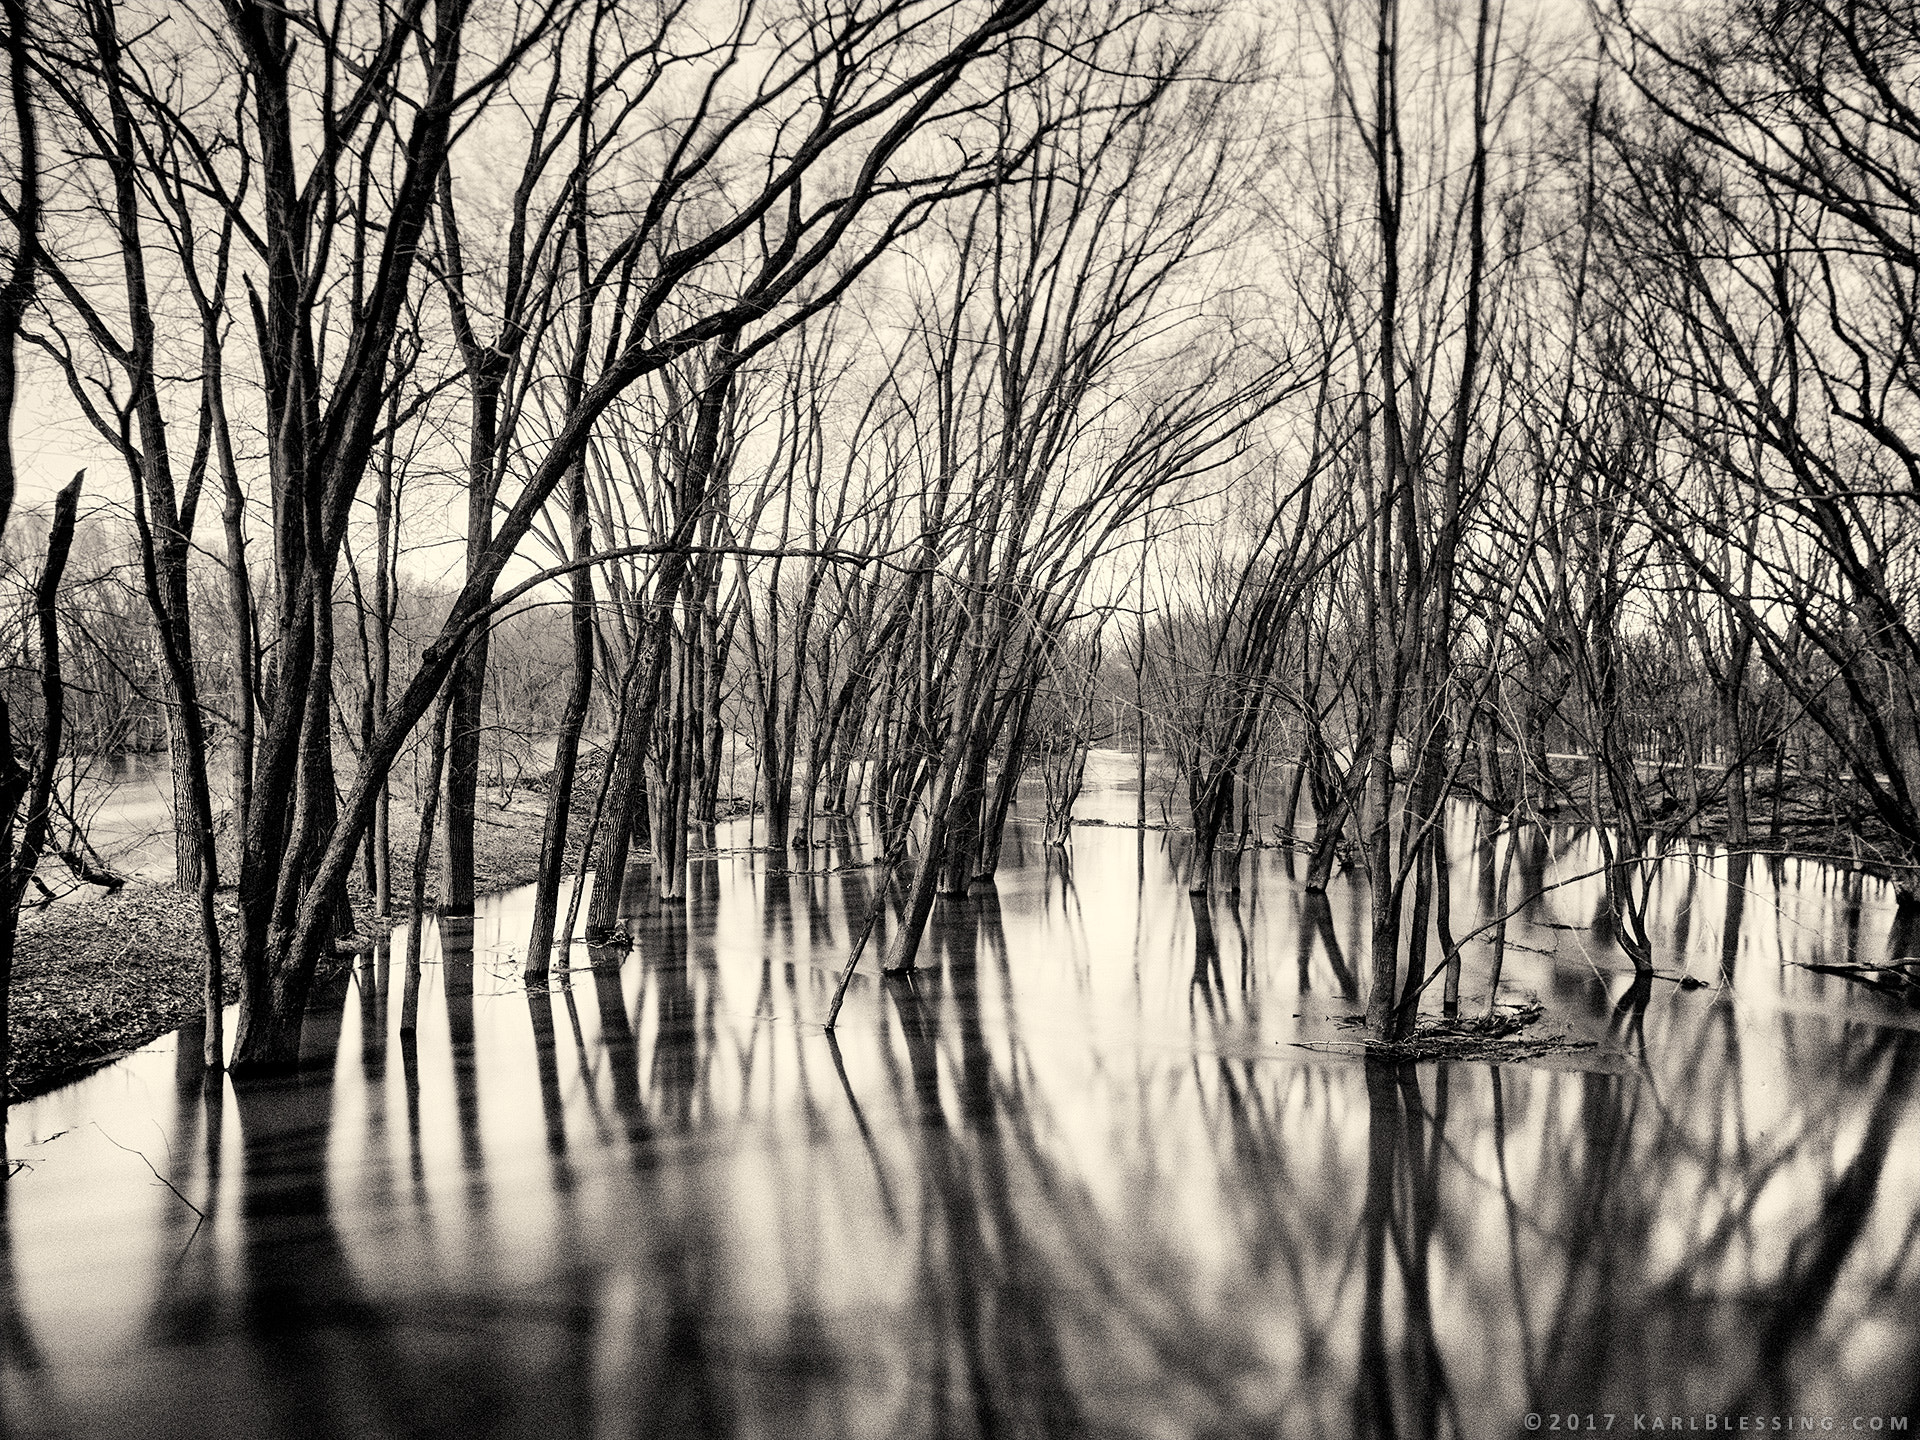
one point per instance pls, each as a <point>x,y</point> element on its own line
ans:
<point>1107,1165</point>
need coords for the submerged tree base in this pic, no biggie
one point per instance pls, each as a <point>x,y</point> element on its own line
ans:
<point>1494,1036</point>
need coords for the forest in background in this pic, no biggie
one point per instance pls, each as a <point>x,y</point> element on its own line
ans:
<point>1356,404</point>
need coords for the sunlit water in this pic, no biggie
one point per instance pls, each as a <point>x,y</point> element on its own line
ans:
<point>1105,1166</point>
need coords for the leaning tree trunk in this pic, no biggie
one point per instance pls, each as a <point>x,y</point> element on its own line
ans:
<point>626,798</point>
<point>950,768</point>
<point>1005,786</point>
<point>35,787</point>
<point>964,823</point>
<point>1333,802</point>
<point>1739,823</point>
<point>566,751</point>
<point>469,679</point>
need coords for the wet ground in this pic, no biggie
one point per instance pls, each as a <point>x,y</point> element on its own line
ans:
<point>1106,1165</point>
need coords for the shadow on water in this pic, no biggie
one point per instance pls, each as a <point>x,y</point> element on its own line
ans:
<point>1104,1165</point>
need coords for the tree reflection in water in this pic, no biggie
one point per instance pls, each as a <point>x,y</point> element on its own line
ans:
<point>1072,1176</point>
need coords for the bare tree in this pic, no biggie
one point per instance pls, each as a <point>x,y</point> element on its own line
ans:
<point>1763,209</point>
<point>1432,250</point>
<point>35,787</point>
<point>23,213</point>
<point>1040,467</point>
<point>323,435</point>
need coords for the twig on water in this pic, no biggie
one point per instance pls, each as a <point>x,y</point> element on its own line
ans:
<point>156,1174</point>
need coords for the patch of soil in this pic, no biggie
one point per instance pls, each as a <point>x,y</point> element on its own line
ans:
<point>95,979</point>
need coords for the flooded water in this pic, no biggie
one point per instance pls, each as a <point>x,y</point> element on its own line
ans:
<point>1105,1166</point>
<point>124,805</point>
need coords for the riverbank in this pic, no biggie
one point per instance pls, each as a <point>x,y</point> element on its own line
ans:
<point>96,979</point>
<point>106,972</point>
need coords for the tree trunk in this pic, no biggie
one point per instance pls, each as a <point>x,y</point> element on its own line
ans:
<point>627,806</point>
<point>1210,801</point>
<point>1005,786</point>
<point>566,751</point>
<point>1382,997</point>
<point>1500,918</point>
<point>35,787</point>
<point>186,840</point>
<point>1739,823</point>
<point>1334,801</point>
<point>1290,812</point>
<point>381,831</point>
<point>14,781</point>
<point>470,677</point>
<point>669,779</point>
<point>1443,919</point>
<point>964,825</point>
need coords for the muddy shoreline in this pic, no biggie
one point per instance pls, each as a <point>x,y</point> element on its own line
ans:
<point>95,978</point>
